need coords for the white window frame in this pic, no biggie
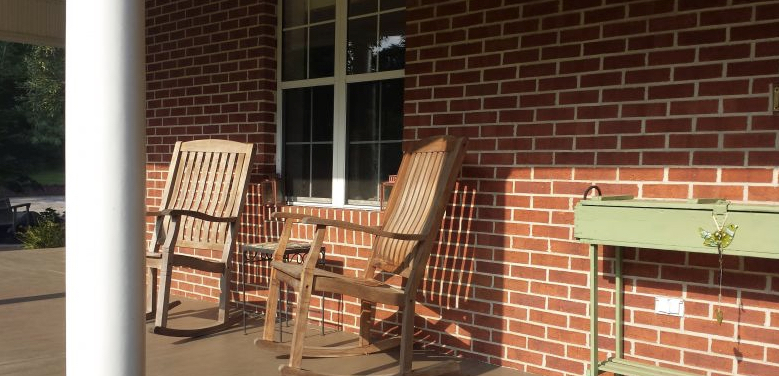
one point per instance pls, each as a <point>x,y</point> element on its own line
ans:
<point>339,81</point>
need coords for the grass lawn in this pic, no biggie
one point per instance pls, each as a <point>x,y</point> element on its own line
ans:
<point>49,177</point>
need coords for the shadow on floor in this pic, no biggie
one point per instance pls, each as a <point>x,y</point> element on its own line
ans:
<point>32,315</point>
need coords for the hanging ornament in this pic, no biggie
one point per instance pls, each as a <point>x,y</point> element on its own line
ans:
<point>721,238</point>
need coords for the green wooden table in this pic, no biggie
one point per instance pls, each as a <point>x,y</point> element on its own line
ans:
<point>622,221</point>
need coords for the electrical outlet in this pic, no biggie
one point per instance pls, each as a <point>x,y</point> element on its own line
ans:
<point>669,306</point>
<point>775,96</point>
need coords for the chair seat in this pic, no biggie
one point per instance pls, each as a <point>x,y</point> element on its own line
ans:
<point>328,281</point>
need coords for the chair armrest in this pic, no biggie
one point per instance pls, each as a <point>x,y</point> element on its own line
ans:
<point>367,229</point>
<point>26,205</point>
<point>190,213</point>
<point>288,219</point>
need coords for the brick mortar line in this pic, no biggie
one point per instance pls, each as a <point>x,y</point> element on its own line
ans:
<point>626,18</point>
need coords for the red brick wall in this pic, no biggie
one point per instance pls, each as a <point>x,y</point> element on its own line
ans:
<point>657,99</point>
<point>210,73</point>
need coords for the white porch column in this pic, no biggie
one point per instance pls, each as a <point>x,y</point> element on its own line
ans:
<point>105,128</point>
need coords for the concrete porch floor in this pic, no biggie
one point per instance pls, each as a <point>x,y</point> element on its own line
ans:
<point>32,318</point>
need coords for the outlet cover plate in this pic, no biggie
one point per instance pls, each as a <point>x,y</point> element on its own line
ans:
<point>669,306</point>
<point>775,96</point>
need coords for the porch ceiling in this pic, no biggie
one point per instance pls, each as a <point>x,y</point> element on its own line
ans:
<point>33,22</point>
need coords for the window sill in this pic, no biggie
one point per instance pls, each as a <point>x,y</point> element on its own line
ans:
<point>371,208</point>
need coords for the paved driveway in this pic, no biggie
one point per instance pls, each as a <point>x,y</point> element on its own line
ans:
<point>40,203</point>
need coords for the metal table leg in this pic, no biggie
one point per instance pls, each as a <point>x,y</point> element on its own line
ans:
<point>252,253</point>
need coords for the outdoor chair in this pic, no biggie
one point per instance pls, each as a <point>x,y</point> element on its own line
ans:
<point>11,216</point>
<point>401,247</point>
<point>200,210</point>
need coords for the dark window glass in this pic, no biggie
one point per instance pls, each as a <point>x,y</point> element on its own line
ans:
<point>363,172</point>
<point>294,54</point>
<point>363,111</point>
<point>392,112</point>
<point>360,54</point>
<point>390,155</point>
<point>322,10</point>
<point>370,164</point>
<point>358,7</point>
<point>322,170</point>
<point>295,13</point>
<point>376,43</point>
<point>322,114</point>
<point>391,47</point>
<point>321,51</point>
<point>374,131</point>
<point>392,4</point>
<point>308,141</point>
<point>308,45</point>
<point>296,122</point>
<point>297,170</point>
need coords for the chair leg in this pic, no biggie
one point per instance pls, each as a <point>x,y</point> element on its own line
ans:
<point>163,294</point>
<point>224,296</point>
<point>366,320</point>
<point>407,338</point>
<point>301,322</point>
<point>271,306</point>
<point>151,293</point>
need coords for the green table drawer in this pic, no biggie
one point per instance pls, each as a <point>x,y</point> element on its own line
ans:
<point>674,225</point>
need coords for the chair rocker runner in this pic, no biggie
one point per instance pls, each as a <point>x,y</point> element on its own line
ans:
<point>401,246</point>
<point>201,209</point>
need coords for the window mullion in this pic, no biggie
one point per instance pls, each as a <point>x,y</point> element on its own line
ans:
<point>310,82</point>
<point>279,101</point>
<point>378,136</point>
<point>310,145</point>
<point>376,76</point>
<point>339,103</point>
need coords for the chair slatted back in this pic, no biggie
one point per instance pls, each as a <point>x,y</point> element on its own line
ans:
<point>417,203</point>
<point>207,176</point>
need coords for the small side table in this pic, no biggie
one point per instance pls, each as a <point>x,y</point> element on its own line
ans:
<point>263,252</point>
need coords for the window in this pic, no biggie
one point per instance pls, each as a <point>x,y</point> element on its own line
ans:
<point>341,98</point>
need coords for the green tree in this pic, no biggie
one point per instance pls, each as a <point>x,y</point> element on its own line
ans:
<point>44,92</point>
<point>32,82</point>
<point>15,133</point>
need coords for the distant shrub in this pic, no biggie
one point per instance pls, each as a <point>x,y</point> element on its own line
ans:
<point>47,232</point>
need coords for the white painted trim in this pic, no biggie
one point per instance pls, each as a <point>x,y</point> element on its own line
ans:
<point>297,84</point>
<point>377,76</point>
<point>339,105</point>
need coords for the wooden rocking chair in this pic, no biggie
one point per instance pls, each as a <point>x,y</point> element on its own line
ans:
<point>401,246</point>
<point>201,209</point>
